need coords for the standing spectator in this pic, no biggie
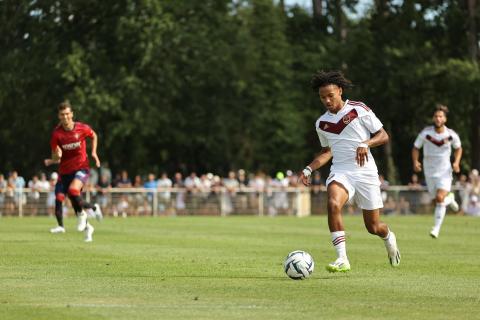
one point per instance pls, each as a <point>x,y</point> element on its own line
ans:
<point>280,196</point>
<point>3,190</point>
<point>151,185</point>
<point>164,195</point>
<point>19,183</point>
<point>51,194</point>
<point>192,183</point>
<point>103,192</point>
<point>384,184</point>
<point>231,184</point>
<point>34,194</point>
<point>414,194</point>
<point>462,185</point>
<point>180,193</point>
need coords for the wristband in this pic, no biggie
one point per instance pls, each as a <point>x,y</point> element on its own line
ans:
<point>307,171</point>
<point>363,145</point>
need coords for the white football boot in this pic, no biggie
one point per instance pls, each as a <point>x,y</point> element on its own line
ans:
<point>392,250</point>
<point>98,212</point>
<point>453,204</point>
<point>57,229</point>
<point>89,232</point>
<point>434,233</point>
<point>82,221</point>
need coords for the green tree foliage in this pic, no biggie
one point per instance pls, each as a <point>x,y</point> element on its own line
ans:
<point>220,84</point>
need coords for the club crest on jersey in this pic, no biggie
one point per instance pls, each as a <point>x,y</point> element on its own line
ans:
<point>76,136</point>
<point>346,119</point>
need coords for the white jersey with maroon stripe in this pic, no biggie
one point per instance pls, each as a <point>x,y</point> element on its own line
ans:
<point>344,131</point>
<point>437,148</point>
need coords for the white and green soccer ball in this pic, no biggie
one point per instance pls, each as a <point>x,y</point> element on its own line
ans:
<point>298,265</point>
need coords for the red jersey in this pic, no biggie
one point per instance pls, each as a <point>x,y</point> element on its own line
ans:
<point>73,145</point>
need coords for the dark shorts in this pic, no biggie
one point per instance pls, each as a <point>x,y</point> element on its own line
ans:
<point>64,180</point>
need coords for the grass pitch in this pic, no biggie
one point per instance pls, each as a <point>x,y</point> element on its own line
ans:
<point>231,268</point>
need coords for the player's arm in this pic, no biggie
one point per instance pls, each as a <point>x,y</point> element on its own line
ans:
<point>378,138</point>
<point>56,156</point>
<point>457,154</point>
<point>94,149</point>
<point>319,161</point>
<point>417,165</point>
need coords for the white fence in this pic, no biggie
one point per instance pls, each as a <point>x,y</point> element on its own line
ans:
<point>221,202</point>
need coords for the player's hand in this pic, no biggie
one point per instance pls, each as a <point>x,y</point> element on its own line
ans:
<point>417,166</point>
<point>305,180</point>
<point>362,154</point>
<point>456,167</point>
<point>305,176</point>
<point>57,152</point>
<point>97,160</point>
<point>48,162</point>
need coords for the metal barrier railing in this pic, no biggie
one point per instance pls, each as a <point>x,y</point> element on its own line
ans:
<point>179,201</point>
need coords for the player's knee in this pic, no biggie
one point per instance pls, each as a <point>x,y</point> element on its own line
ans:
<point>439,198</point>
<point>334,205</point>
<point>372,228</point>
<point>60,197</point>
<point>73,192</point>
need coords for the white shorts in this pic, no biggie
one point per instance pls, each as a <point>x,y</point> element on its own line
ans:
<point>443,182</point>
<point>363,188</point>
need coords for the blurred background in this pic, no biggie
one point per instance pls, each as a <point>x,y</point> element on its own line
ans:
<point>218,85</point>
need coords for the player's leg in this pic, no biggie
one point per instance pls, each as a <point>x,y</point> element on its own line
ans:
<point>75,195</point>
<point>440,210</point>
<point>59,198</point>
<point>369,198</point>
<point>374,226</point>
<point>337,197</point>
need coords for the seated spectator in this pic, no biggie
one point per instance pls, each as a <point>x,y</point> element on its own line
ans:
<point>403,206</point>
<point>390,206</point>
<point>124,181</point>
<point>473,207</point>
<point>317,182</point>
<point>414,183</point>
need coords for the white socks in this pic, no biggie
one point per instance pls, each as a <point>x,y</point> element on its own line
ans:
<point>338,241</point>
<point>440,210</point>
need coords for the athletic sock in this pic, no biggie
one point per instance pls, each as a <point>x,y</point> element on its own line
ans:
<point>440,210</point>
<point>78,204</point>
<point>338,241</point>
<point>59,212</point>
<point>387,238</point>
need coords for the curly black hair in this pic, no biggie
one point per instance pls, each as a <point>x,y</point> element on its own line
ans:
<point>325,78</point>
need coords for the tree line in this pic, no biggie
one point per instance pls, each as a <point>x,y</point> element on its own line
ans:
<point>217,84</point>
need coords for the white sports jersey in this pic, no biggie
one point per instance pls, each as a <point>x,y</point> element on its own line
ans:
<point>437,148</point>
<point>344,131</point>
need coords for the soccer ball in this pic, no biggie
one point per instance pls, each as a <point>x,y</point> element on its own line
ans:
<point>298,265</point>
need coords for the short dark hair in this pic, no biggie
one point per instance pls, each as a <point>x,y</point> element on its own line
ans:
<point>325,78</point>
<point>441,107</point>
<point>64,105</point>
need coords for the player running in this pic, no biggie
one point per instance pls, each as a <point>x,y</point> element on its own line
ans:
<point>437,142</point>
<point>347,131</point>
<point>68,144</point>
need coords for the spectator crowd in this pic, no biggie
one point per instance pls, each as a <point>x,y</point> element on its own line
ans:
<point>114,193</point>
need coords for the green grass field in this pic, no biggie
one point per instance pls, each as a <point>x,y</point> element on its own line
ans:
<point>231,268</point>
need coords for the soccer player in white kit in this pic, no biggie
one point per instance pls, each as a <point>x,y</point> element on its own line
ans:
<point>347,131</point>
<point>437,142</point>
